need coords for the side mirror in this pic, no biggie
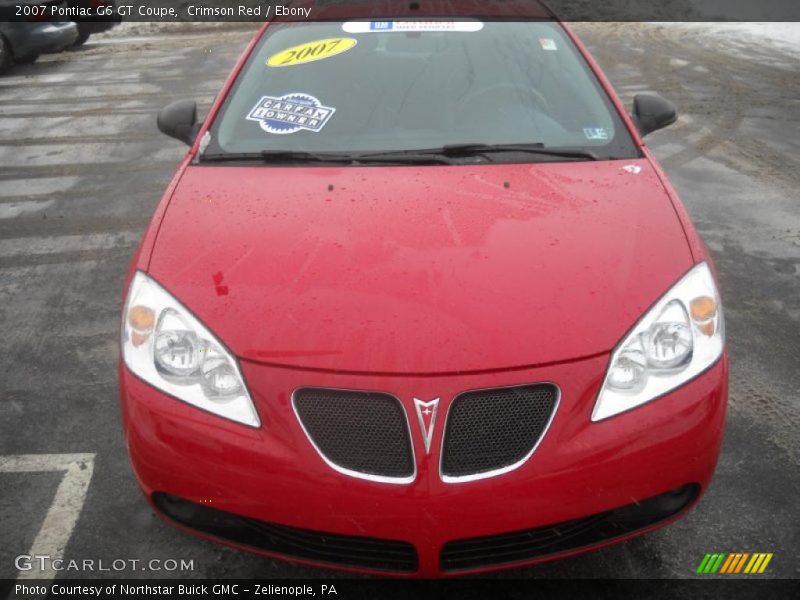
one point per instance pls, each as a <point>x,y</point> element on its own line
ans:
<point>651,112</point>
<point>179,120</point>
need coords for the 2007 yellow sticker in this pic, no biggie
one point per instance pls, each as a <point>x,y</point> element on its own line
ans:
<point>311,51</point>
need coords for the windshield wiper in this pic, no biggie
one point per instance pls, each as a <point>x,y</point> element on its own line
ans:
<point>296,156</point>
<point>267,156</point>
<point>466,150</point>
<point>538,148</point>
<point>441,155</point>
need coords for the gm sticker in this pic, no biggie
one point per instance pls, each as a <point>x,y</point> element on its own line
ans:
<point>290,113</point>
<point>310,52</point>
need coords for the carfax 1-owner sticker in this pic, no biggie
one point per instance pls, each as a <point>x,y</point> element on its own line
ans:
<point>291,113</point>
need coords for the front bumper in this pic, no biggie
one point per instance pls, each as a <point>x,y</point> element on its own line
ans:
<point>273,474</point>
<point>53,37</point>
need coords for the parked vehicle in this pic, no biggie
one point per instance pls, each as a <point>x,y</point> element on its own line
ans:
<point>22,43</point>
<point>420,301</point>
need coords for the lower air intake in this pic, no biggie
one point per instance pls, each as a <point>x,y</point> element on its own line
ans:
<point>292,542</point>
<point>520,546</point>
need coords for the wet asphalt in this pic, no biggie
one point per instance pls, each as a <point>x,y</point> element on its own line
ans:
<point>82,168</point>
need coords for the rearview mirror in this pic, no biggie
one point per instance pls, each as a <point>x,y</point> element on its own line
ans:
<point>651,112</point>
<point>179,120</point>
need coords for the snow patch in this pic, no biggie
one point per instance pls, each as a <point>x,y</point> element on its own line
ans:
<point>783,38</point>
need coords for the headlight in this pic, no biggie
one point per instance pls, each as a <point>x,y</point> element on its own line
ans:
<point>165,345</point>
<point>679,338</point>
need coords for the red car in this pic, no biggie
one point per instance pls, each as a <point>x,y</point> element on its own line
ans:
<point>419,301</point>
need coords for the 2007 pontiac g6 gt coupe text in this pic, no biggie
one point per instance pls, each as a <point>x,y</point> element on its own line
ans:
<point>419,301</point>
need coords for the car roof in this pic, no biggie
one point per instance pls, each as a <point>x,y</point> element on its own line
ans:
<point>384,9</point>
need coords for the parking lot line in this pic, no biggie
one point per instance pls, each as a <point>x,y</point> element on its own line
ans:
<point>67,503</point>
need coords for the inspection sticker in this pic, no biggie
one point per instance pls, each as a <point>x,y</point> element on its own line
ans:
<point>291,113</point>
<point>311,51</point>
<point>595,133</point>
<point>411,26</point>
<point>548,44</point>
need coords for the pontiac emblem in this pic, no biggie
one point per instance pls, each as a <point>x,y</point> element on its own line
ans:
<point>426,413</point>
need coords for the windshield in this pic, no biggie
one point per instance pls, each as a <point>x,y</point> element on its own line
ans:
<point>388,86</point>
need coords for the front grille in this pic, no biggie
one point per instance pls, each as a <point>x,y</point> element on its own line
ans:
<point>353,551</point>
<point>490,430</point>
<point>530,544</point>
<point>364,434</point>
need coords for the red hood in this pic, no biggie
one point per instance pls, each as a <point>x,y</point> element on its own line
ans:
<point>420,269</point>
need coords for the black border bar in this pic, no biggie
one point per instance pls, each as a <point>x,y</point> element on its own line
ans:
<point>731,587</point>
<point>310,10</point>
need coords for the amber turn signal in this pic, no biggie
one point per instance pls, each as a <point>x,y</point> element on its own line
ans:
<point>703,308</point>
<point>141,318</point>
